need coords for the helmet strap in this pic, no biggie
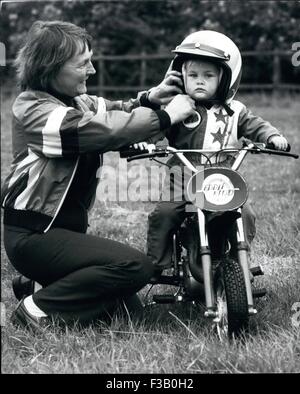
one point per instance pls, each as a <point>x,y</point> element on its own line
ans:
<point>229,111</point>
<point>209,103</point>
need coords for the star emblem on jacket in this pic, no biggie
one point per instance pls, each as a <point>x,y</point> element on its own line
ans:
<point>220,117</point>
<point>219,136</point>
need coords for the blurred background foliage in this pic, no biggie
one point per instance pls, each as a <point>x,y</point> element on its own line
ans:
<point>157,26</point>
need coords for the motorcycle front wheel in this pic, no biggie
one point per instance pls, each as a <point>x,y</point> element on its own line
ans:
<point>231,300</point>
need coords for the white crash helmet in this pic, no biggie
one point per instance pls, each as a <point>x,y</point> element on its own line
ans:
<point>216,47</point>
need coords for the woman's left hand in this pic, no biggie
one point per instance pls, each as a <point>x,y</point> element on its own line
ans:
<point>167,89</point>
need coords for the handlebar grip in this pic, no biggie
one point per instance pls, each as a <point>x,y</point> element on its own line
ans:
<point>271,149</point>
<point>148,155</point>
<point>129,151</point>
<point>272,146</point>
<point>279,153</point>
<point>141,156</point>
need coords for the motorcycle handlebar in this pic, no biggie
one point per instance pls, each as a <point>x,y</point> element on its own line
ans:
<point>270,149</point>
<point>136,154</point>
<point>272,146</point>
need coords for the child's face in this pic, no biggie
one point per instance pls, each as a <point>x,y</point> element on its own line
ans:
<point>201,79</point>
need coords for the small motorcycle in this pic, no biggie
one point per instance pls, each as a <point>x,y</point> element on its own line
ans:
<point>210,254</point>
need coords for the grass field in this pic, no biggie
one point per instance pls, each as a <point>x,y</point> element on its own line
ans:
<point>177,339</point>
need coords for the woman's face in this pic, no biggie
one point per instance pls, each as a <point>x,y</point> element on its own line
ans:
<point>71,78</point>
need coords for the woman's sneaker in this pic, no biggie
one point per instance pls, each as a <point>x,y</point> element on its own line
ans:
<point>23,319</point>
<point>22,287</point>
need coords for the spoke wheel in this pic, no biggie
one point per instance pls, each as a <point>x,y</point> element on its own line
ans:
<point>221,323</point>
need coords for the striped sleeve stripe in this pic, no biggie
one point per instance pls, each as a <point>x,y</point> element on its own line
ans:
<point>22,167</point>
<point>69,132</point>
<point>101,105</point>
<point>33,177</point>
<point>52,144</point>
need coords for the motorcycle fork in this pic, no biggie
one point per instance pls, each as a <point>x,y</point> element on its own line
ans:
<point>243,260</point>
<point>206,260</point>
<point>205,253</point>
<point>175,255</point>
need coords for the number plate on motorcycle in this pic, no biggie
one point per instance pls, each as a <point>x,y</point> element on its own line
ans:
<point>217,189</point>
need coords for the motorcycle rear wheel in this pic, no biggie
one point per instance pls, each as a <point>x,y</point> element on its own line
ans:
<point>231,300</point>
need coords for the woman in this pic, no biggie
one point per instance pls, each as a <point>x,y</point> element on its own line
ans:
<point>59,136</point>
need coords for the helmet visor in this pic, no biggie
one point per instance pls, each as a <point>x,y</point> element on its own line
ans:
<point>201,50</point>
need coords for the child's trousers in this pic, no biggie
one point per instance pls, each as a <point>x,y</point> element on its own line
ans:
<point>167,218</point>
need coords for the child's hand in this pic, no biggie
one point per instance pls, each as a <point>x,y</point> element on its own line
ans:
<point>279,142</point>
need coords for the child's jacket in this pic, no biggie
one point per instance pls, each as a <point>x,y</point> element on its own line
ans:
<point>219,130</point>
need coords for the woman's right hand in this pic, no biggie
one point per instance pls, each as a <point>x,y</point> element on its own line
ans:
<point>180,108</point>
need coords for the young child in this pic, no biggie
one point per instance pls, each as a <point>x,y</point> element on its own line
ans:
<point>211,66</point>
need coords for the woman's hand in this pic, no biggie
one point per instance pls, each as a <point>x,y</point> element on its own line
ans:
<point>279,142</point>
<point>144,146</point>
<point>140,145</point>
<point>167,89</point>
<point>180,108</point>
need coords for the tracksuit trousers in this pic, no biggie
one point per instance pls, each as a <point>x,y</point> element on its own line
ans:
<point>84,277</point>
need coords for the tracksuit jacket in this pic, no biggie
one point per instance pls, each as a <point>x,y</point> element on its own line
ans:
<point>49,138</point>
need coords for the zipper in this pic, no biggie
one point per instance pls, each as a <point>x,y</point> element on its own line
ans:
<point>63,197</point>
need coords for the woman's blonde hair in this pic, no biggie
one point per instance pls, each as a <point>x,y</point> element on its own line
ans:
<point>47,48</point>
